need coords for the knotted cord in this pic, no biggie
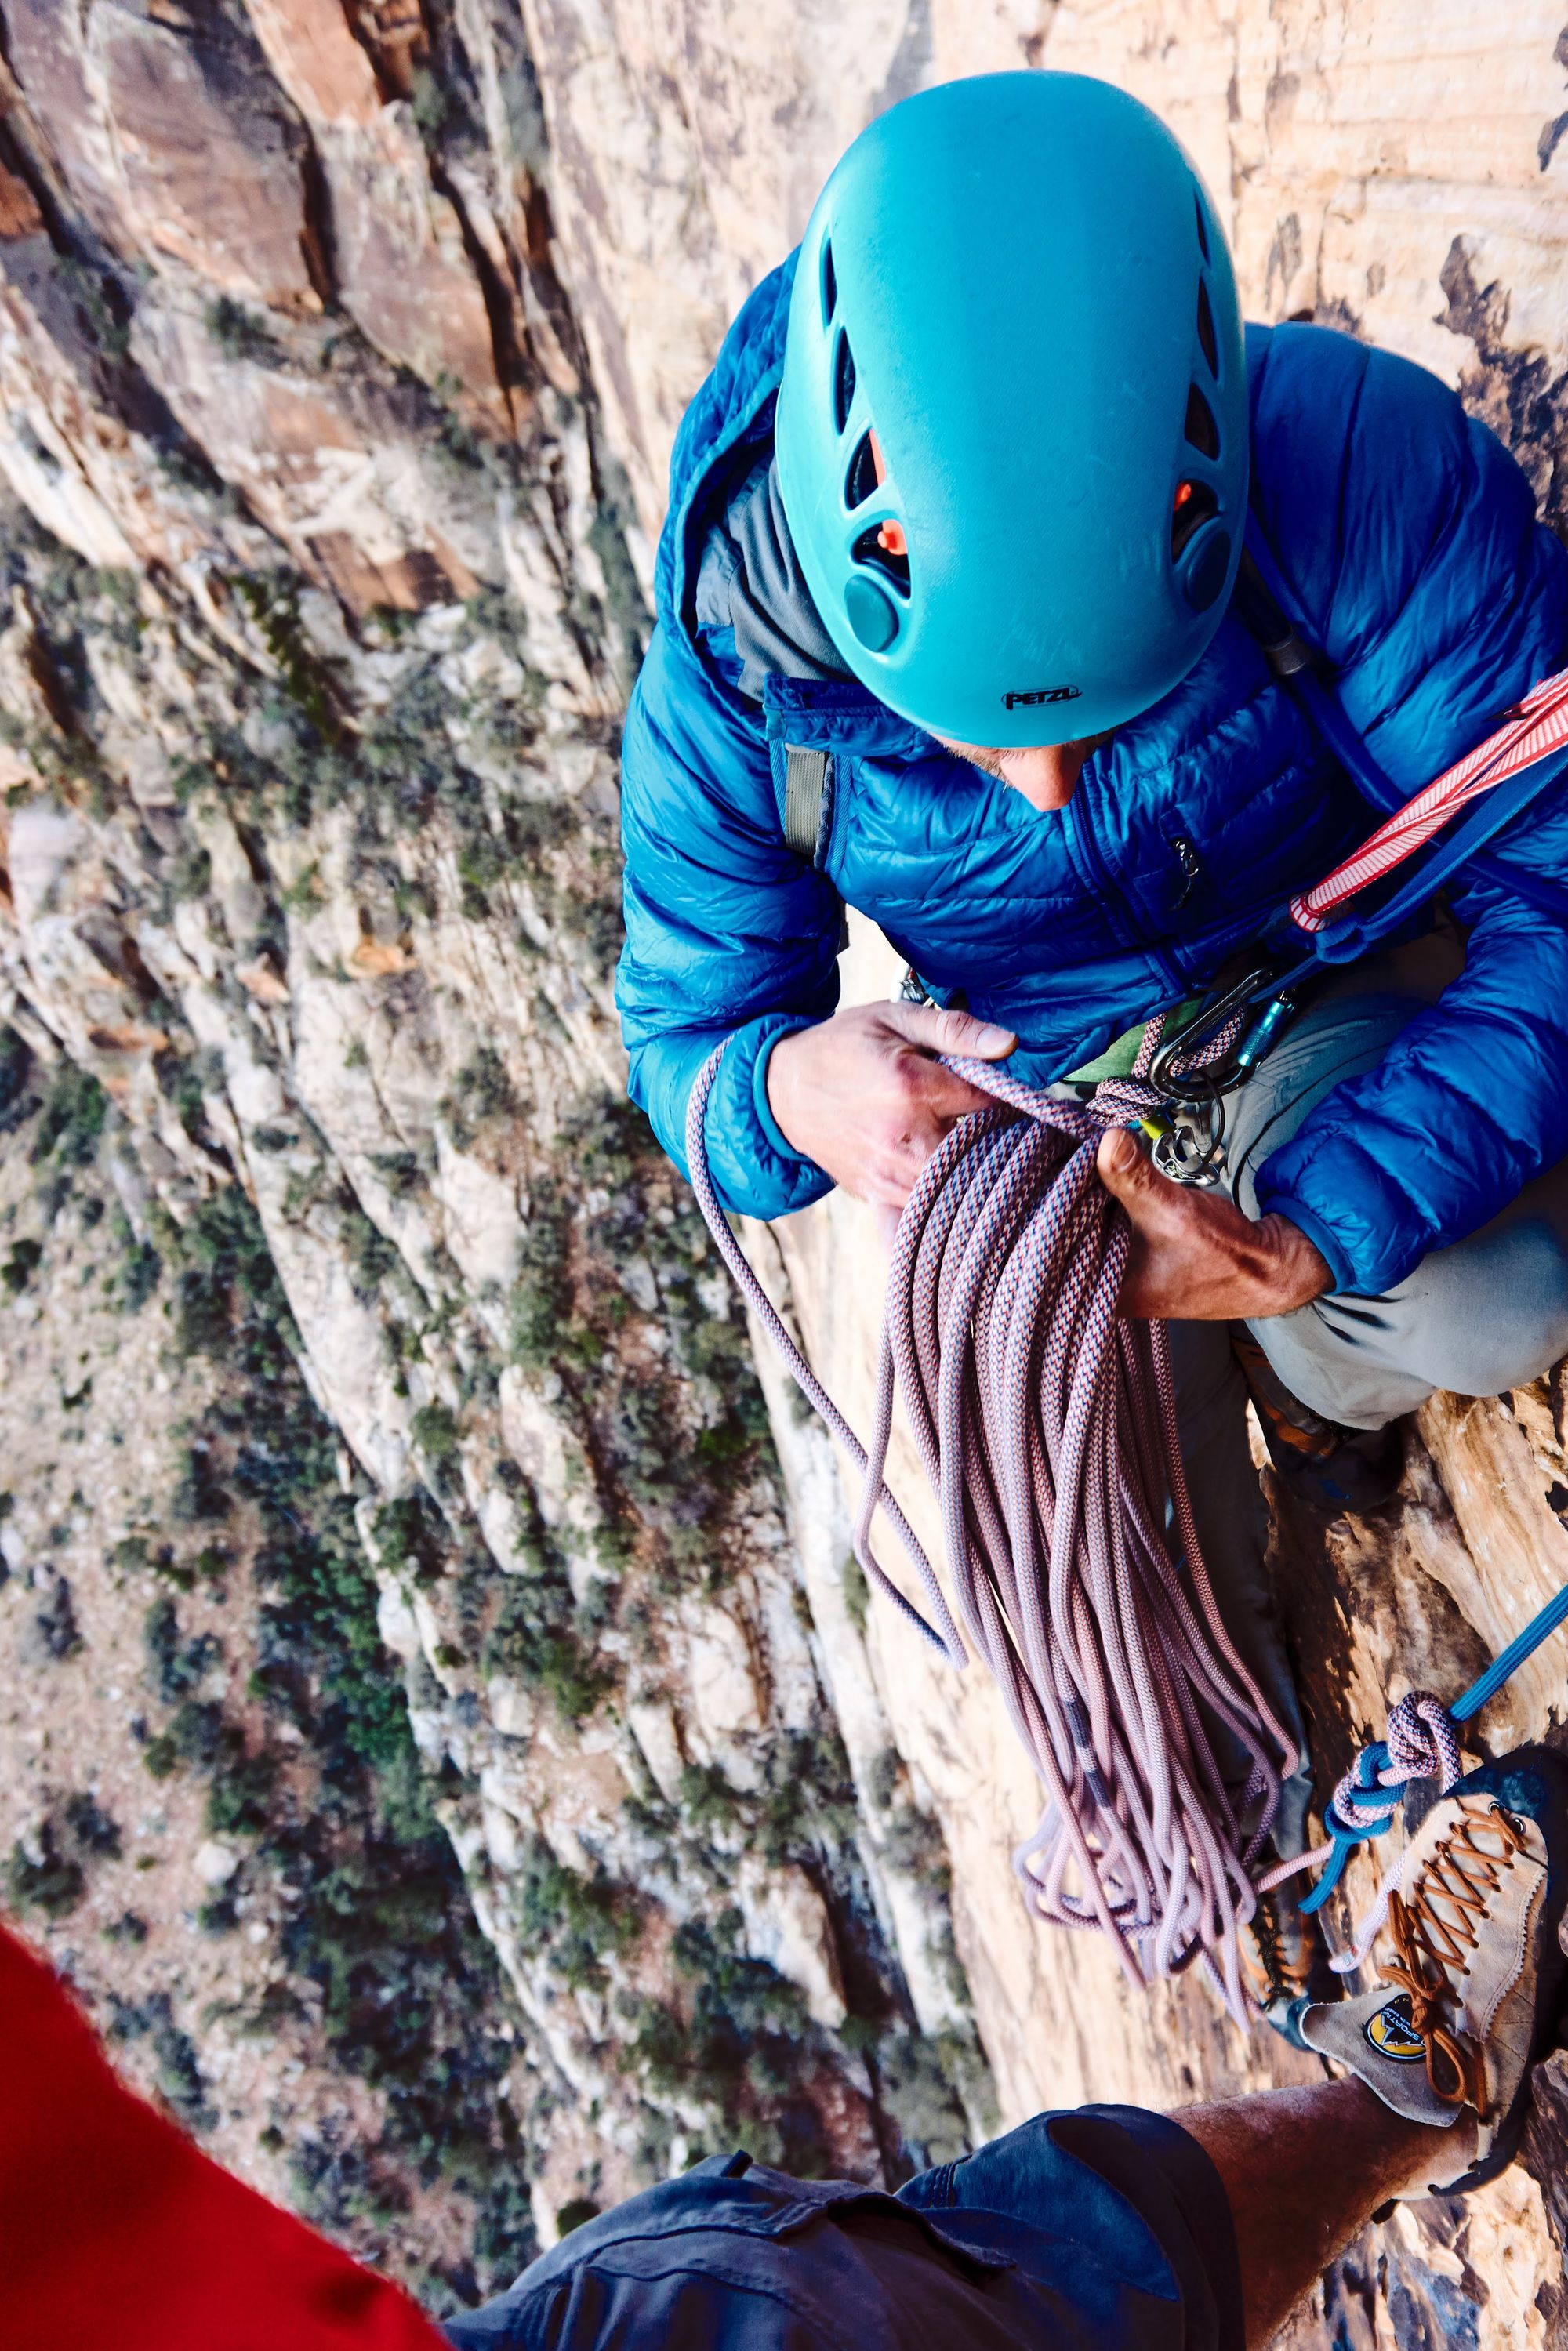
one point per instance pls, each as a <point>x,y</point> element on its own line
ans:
<point>1046,1423</point>
<point>1422,1742</point>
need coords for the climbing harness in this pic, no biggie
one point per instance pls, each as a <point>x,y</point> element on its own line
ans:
<point>1046,1421</point>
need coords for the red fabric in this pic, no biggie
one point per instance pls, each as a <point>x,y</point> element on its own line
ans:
<point>116,2231</point>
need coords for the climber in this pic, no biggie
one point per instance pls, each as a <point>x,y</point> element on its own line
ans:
<point>962,503</point>
<point>949,630</point>
<point>1107,2228</point>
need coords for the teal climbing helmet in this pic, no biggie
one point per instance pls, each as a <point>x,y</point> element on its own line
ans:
<point>1012,430</point>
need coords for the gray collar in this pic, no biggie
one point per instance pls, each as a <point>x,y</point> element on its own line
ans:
<point>749,580</point>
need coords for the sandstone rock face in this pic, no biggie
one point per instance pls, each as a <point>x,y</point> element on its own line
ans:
<point>308,861</point>
<point>402,273</point>
<point>341,348</point>
<point>689,142</point>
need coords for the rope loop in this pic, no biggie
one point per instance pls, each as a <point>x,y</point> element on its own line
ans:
<point>1421,1744</point>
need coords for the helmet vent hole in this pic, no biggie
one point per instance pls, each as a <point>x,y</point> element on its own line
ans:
<point>831,283</point>
<point>1202,227</point>
<point>1201,429</point>
<point>843,382</point>
<point>1195,501</point>
<point>872,548</point>
<point>860,479</point>
<point>1205,334</point>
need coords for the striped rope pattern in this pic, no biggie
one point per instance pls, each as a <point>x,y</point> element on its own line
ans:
<point>1538,725</point>
<point>1122,1102</point>
<point>1046,1423</point>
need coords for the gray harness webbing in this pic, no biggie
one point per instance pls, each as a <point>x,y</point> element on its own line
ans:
<point>807,813</point>
<point>805,799</point>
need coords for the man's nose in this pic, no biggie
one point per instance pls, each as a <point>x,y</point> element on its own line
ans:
<point>1046,776</point>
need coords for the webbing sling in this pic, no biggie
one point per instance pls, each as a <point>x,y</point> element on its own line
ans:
<point>805,799</point>
<point>1488,788</point>
<point>1521,744</point>
<point>1497,781</point>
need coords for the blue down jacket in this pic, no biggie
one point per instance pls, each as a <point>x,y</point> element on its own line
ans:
<point>1407,537</point>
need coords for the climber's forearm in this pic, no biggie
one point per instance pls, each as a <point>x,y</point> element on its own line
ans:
<point>1194,1257</point>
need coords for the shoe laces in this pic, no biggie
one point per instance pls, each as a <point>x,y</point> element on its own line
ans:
<point>1435,1932</point>
<point>1284,1978</point>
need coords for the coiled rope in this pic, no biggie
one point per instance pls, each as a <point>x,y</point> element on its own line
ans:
<point>1046,1423</point>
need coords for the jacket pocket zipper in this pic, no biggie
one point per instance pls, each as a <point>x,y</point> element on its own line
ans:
<point>1116,904</point>
<point>1191,865</point>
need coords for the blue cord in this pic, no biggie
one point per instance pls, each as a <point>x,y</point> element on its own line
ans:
<point>1486,1685</point>
<point>1374,1759</point>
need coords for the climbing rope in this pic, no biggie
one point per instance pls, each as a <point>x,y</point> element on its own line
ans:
<point>1537,727</point>
<point>1046,1423</point>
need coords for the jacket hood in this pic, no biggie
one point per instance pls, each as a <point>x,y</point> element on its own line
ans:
<point>733,405</point>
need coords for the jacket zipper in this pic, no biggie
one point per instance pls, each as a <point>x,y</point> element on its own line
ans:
<point>1191,865</point>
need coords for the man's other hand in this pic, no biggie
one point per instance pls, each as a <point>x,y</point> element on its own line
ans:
<point>1194,1257</point>
<point>864,1095</point>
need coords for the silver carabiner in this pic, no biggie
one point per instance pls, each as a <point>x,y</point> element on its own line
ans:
<point>1188,1157</point>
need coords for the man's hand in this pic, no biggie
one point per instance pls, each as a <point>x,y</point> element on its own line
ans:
<point>1194,1257</point>
<point>865,1096</point>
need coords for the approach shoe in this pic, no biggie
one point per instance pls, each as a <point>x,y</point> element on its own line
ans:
<point>1320,1461</point>
<point>1286,1961</point>
<point>1472,1990</point>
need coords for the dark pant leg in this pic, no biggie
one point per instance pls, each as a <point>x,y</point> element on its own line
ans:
<point>1132,2196</point>
<point>1232,1521</point>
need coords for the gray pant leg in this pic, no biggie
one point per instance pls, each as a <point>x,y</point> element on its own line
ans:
<point>1233,1531</point>
<point>1488,1313</point>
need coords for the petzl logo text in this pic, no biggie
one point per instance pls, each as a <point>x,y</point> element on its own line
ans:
<point>1038,693</point>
